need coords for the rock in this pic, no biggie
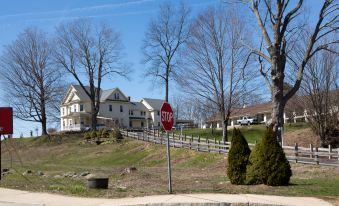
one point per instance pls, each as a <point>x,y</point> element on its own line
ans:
<point>84,174</point>
<point>27,172</point>
<point>39,173</point>
<point>5,170</point>
<point>121,187</point>
<point>58,176</point>
<point>69,174</point>
<point>129,170</point>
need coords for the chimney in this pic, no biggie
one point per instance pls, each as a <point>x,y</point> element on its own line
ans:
<point>129,98</point>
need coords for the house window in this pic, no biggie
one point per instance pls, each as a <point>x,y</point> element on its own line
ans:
<point>75,108</point>
<point>131,112</point>
<point>63,112</point>
<point>70,122</point>
<point>63,123</point>
<point>141,113</point>
<point>130,123</point>
<point>121,108</point>
<point>142,124</point>
<point>158,124</point>
<point>117,95</point>
<point>110,108</point>
<point>81,107</point>
<point>158,113</point>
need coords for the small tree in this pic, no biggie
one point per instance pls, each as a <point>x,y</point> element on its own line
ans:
<point>238,158</point>
<point>267,163</point>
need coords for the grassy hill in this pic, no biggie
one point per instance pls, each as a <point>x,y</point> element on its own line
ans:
<point>252,133</point>
<point>193,172</point>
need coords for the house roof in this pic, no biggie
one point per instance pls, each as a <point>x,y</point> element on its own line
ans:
<point>252,110</point>
<point>154,103</point>
<point>139,106</point>
<point>104,94</point>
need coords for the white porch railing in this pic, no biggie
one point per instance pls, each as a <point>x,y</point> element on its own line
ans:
<point>74,127</point>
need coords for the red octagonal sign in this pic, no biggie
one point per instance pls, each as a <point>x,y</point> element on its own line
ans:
<point>167,116</point>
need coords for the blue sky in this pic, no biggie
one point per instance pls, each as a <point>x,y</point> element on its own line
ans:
<point>129,17</point>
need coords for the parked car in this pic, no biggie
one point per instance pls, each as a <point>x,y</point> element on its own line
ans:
<point>247,120</point>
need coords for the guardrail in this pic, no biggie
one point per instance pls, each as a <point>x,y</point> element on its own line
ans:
<point>311,155</point>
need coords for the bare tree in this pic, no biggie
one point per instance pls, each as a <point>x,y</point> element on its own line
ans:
<point>278,25</point>
<point>214,66</point>
<point>321,95</point>
<point>165,36</point>
<point>31,79</point>
<point>90,54</point>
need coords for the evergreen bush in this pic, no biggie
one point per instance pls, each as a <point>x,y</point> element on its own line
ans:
<point>238,158</point>
<point>268,163</point>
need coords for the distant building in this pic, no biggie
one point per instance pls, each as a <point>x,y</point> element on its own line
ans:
<point>295,111</point>
<point>116,110</point>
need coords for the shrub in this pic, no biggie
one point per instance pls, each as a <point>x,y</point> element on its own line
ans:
<point>117,136</point>
<point>267,163</point>
<point>238,158</point>
<point>99,132</point>
<point>93,134</point>
<point>104,133</point>
<point>87,136</point>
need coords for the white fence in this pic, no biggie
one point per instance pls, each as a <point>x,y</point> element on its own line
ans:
<point>311,155</point>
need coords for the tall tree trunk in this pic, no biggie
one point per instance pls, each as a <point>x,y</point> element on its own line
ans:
<point>223,125</point>
<point>166,95</point>
<point>43,115</point>
<point>94,115</point>
<point>43,124</point>
<point>278,102</point>
<point>167,82</point>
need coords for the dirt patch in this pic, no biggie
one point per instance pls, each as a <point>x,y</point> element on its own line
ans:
<point>304,137</point>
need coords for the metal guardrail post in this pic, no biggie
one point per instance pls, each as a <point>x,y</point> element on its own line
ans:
<point>329,152</point>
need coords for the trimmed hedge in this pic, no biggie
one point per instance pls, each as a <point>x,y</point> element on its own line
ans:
<point>267,163</point>
<point>238,158</point>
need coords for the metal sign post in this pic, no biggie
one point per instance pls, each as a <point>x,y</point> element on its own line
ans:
<point>169,164</point>
<point>167,121</point>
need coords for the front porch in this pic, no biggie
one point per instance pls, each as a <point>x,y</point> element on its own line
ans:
<point>80,121</point>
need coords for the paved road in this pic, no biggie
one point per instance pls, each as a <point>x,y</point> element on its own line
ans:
<point>9,197</point>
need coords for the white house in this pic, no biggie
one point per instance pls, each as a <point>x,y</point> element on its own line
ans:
<point>116,110</point>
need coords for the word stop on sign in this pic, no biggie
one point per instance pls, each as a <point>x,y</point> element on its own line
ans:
<point>166,116</point>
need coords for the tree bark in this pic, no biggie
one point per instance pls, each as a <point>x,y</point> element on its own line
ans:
<point>223,125</point>
<point>94,116</point>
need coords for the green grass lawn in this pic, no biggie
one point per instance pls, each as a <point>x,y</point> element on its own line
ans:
<point>252,133</point>
<point>192,171</point>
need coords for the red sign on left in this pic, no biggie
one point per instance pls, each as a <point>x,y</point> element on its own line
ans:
<point>6,120</point>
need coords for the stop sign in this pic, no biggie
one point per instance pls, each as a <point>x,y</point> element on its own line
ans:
<point>167,116</point>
